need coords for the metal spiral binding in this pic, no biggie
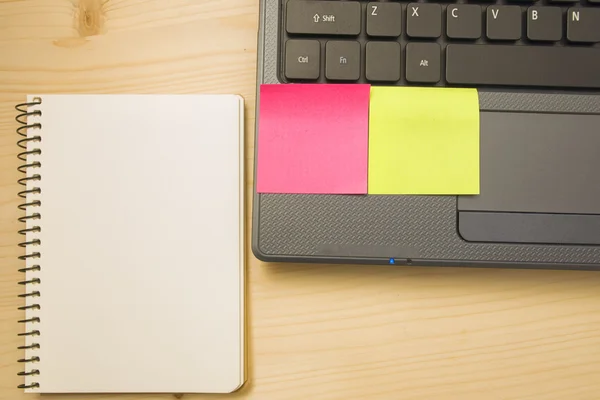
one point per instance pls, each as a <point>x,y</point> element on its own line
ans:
<point>23,130</point>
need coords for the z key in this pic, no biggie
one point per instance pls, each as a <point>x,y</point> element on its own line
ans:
<point>384,19</point>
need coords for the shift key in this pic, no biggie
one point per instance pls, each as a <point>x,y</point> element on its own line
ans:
<point>323,17</point>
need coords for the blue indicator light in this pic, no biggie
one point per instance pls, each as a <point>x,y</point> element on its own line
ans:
<point>392,261</point>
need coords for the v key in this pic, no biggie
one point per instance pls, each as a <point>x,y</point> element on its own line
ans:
<point>504,22</point>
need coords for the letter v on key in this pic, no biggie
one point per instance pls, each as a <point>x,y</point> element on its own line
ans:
<point>505,25</point>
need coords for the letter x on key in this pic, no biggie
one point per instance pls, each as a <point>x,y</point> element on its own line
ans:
<point>424,20</point>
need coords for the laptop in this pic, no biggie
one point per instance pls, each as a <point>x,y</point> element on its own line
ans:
<point>536,66</point>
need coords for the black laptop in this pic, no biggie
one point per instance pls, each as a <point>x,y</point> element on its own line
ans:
<point>536,65</point>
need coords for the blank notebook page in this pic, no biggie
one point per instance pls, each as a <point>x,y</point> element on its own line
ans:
<point>142,262</point>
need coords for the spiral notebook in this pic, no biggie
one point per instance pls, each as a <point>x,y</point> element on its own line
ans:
<point>133,243</point>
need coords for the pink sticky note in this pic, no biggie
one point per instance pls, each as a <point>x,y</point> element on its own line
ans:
<point>313,139</point>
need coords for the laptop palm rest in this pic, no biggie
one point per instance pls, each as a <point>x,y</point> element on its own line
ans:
<point>540,180</point>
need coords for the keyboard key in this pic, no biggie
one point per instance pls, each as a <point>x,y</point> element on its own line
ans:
<point>503,22</point>
<point>424,20</point>
<point>323,17</point>
<point>383,61</point>
<point>583,25</point>
<point>342,60</point>
<point>384,19</point>
<point>544,23</point>
<point>423,62</point>
<point>302,59</point>
<point>463,21</point>
<point>552,66</point>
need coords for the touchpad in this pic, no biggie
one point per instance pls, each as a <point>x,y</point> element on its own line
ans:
<point>538,163</point>
<point>540,180</point>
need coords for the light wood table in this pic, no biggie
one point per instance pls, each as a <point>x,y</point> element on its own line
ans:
<point>316,332</point>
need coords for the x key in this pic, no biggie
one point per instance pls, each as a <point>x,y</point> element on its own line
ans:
<point>424,20</point>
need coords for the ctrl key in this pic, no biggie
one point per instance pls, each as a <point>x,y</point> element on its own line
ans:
<point>302,59</point>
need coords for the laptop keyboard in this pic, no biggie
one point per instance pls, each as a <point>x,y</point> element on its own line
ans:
<point>519,43</point>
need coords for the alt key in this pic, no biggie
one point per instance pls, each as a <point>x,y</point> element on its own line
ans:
<point>423,62</point>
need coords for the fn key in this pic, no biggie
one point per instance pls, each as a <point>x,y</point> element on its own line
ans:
<point>302,59</point>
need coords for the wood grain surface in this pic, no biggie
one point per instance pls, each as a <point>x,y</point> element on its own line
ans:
<point>315,331</point>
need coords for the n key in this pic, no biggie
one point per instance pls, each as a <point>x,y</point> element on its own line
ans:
<point>583,25</point>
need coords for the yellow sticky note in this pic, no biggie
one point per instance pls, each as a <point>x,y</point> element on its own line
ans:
<point>423,141</point>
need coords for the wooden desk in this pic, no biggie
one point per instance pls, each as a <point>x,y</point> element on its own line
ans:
<point>316,332</point>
